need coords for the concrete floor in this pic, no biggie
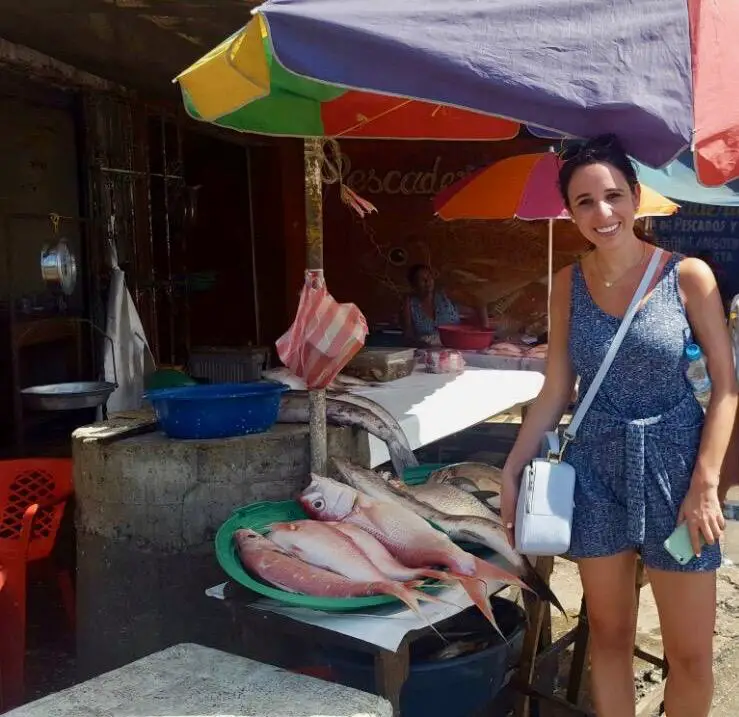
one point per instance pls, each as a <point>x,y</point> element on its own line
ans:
<point>566,585</point>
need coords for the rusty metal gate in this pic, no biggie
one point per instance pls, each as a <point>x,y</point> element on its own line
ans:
<point>139,201</point>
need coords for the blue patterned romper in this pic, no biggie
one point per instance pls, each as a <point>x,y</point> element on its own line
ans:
<point>636,447</point>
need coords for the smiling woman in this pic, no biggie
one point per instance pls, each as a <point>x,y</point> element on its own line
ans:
<point>646,458</point>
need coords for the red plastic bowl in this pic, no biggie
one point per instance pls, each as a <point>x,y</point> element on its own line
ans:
<point>465,338</point>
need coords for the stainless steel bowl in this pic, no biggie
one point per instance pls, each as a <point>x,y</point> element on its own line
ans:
<point>59,266</point>
<point>67,396</point>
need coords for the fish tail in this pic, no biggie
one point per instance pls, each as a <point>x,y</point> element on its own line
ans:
<point>400,591</point>
<point>411,598</point>
<point>439,575</point>
<point>478,591</point>
<point>401,456</point>
<point>539,586</point>
<point>410,584</point>
<point>427,597</point>
<point>488,571</point>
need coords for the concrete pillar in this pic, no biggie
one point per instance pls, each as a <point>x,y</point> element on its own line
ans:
<point>148,509</point>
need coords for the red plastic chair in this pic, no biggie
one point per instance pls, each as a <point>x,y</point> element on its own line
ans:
<point>33,495</point>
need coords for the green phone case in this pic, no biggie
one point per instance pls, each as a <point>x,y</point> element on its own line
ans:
<point>679,546</point>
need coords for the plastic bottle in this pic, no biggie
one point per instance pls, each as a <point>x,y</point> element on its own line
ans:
<point>734,331</point>
<point>697,374</point>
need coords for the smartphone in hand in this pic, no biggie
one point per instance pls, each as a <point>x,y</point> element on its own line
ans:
<point>680,546</point>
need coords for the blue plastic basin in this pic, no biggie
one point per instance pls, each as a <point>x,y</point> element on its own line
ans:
<point>219,410</point>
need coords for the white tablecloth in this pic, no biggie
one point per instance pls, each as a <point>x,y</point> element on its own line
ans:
<point>432,406</point>
<point>507,363</point>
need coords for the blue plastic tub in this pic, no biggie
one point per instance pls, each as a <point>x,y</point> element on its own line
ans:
<point>455,687</point>
<point>219,410</point>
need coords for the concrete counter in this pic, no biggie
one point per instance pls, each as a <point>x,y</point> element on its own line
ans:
<point>193,680</point>
<point>148,509</point>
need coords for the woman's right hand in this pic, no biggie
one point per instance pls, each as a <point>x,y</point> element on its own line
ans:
<point>508,502</point>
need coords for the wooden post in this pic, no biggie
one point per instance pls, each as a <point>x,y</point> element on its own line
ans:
<point>313,160</point>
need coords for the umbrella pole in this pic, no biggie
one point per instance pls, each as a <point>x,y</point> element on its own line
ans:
<point>313,163</point>
<point>550,271</point>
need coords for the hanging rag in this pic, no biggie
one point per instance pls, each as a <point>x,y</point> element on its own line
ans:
<point>133,358</point>
<point>324,336</point>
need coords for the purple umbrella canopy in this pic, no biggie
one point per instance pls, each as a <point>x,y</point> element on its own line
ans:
<point>579,68</point>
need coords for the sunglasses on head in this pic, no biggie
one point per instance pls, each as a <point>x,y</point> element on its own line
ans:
<point>576,148</point>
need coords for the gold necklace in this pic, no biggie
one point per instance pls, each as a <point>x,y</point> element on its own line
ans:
<point>609,284</point>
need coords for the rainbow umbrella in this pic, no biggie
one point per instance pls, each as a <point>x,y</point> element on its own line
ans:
<point>240,85</point>
<point>662,74</point>
<point>525,187</point>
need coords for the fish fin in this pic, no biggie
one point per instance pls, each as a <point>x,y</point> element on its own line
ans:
<point>477,589</point>
<point>539,586</point>
<point>485,495</point>
<point>278,525</point>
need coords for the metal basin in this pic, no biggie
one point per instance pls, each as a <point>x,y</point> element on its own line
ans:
<point>67,396</point>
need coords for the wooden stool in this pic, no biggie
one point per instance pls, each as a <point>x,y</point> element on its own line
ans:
<point>538,648</point>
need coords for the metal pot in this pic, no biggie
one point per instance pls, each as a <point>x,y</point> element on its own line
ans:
<point>68,396</point>
<point>59,266</point>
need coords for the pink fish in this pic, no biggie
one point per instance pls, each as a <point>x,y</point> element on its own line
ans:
<point>285,571</point>
<point>323,546</point>
<point>408,537</point>
<point>383,559</point>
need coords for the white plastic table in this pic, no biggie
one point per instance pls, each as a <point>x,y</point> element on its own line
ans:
<point>432,406</point>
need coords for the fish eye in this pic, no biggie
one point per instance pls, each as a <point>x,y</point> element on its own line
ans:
<point>318,504</point>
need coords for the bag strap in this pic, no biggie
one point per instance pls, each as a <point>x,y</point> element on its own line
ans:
<point>571,432</point>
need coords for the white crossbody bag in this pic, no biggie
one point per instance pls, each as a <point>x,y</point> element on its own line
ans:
<point>546,495</point>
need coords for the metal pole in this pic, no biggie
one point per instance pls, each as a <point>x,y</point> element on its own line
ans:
<point>253,240</point>
<point>313,161</point>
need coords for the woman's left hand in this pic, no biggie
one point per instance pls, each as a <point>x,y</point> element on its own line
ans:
<point>701,510</point>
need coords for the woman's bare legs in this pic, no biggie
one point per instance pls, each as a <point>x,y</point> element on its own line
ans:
<point>687,612</point>
<point>609,586</point>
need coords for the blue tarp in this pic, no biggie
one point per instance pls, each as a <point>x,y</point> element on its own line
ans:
<point>581,68</point>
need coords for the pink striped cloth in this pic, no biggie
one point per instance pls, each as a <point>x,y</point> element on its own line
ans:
<point>324,336</point>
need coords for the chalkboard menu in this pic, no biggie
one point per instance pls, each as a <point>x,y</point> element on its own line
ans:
<point>709,232</point>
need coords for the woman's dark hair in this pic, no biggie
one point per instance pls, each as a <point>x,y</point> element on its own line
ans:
<point>604,148</point>
<point>414,271</point>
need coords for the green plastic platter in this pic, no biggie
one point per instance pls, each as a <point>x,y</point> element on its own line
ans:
<point>258,516</point>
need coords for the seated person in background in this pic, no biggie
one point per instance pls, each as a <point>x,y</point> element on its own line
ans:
<point>427,308</point>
